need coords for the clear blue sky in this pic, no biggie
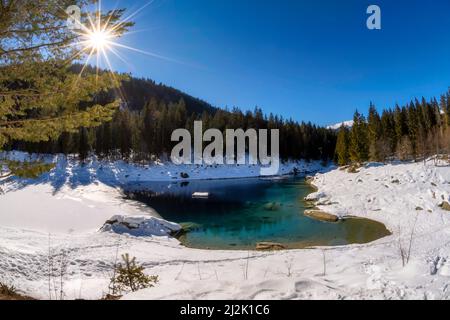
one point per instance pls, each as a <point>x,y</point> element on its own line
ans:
<point>309,60</point>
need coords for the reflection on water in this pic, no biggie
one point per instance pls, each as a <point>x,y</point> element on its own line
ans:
<point>240,213</point>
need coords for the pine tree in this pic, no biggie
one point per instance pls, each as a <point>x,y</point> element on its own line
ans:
<point>389,137</point>
<point>40,96</point>
<point>445,109</point>
<point>400,118</point>
<point>374,133</point>
<point>130,276</point>
<point>359,141</point>
<point>149,118</point>
<point>413,127</point>
<point>342,146</point>
<point>83,147</point>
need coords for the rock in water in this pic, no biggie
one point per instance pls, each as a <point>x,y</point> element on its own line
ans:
<point>187,227</point>
<point>200,195</point>
<point>269,246</point>
<point>140,226</point>
<point>321,216</point>
<point>272,206</point>
<point>184,175</point>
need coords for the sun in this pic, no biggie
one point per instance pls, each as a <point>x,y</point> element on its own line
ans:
<point>98,39</point>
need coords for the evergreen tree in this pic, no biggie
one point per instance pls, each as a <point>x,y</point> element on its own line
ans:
<point>359,144</point>
<point>413,127</point>
<point>374,133</point>
<point>342,146</point>
<point>389,136</point>
<point>400,118</point>
<point>40,97</point>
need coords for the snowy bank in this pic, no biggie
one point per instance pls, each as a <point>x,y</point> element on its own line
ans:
<point>140,226</point>
<point>69,171</point>
<point>394,194</point>
<point>406,197</point>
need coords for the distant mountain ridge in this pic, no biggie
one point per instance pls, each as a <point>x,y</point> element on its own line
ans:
<point>336,126</point>
<point>139,91</point>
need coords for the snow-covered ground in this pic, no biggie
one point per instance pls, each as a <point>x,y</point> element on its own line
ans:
<point>66,217</point>
<point>69,172</point>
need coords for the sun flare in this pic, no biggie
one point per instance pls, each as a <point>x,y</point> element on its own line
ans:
<point>98,39</point>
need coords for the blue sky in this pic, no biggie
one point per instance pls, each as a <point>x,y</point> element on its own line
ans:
<point>309,60</point>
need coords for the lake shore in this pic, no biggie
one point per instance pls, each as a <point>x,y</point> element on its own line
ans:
<point>390,194</point>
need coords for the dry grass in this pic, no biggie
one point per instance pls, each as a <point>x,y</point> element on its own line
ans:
<point>10,293</point>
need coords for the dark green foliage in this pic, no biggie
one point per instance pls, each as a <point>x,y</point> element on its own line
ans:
<point>388,134</point>
<point>417,130</point>
<point>139,135</point>
<point>374,134</point>
<point>29,170</point>
<point>343,146</point>
<point>359,141</point>
<point>40,97</point>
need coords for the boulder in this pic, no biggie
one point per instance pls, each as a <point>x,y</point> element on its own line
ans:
<point>272,206</point>
<point>269,246</point>
<point>184,175</point>
<point>140,226</point>
<point>309,179</point>
<point>187,227</point>
<point>321,216</point>
<point>354,168</point>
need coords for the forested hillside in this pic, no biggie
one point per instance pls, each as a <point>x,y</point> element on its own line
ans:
<point>136,92</point>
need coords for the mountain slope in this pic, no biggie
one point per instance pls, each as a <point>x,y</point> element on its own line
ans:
<point>138,91</point>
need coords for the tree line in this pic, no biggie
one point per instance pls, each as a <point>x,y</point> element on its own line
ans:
<point>414,131</point>
<point>411,132</point>
<point>141,135</point>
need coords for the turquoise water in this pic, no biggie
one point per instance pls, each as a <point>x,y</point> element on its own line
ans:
<point>241,213</point>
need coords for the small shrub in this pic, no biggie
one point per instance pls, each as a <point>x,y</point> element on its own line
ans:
<point>28,170</point>
<point>7,290</point>
<point>130,276</point>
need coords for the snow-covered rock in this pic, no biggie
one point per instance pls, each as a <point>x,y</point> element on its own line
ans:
<point>140,226</point>
<point>316,196</point>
